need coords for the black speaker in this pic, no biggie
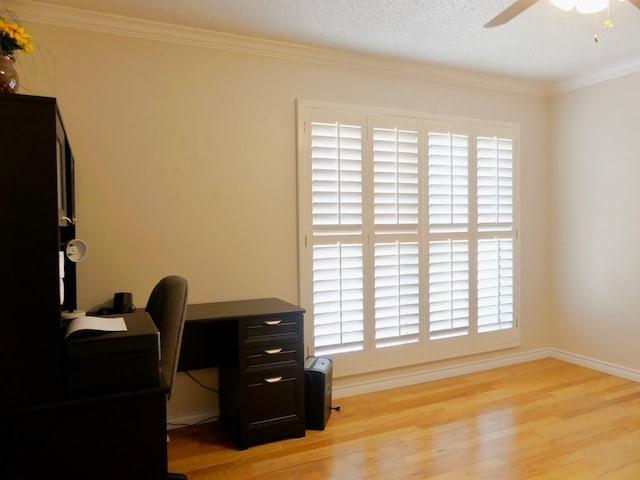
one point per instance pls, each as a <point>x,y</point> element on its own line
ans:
<point>318,372</point>
<point>123,302</point>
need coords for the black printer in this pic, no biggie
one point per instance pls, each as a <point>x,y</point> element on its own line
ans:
<point>109,362</point>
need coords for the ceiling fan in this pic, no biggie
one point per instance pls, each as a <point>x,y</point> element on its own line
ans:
<point>519,6</point>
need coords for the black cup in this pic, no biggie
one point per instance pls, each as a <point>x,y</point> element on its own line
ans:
<point>122,302</point>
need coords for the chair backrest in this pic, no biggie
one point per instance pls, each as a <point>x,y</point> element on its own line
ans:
<point>167,306</point>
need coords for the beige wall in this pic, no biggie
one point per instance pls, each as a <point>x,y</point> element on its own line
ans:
<point>186,163</point>
<point>596,222</point>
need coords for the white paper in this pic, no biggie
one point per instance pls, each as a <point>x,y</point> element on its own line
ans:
<point>98,324</point>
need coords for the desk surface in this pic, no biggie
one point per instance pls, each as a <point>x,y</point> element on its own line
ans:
<point>210,334</point>
<point>138,322</point>
<point>109,362</point>
<point>224,311</point>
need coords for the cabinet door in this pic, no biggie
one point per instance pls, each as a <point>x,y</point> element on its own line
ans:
<point>274,405</point>
<point>30,354</point>
<point>272,395</point>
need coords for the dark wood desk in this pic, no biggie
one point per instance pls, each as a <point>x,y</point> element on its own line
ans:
<point>258,348</point>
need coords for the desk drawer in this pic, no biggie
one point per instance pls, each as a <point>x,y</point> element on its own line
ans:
<point>273,355</point>
<point>274,395</point>
<point>271,330</point>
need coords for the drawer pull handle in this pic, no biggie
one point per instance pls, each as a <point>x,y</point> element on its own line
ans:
<point>273,379</point>
<point>272,323</point>
<point>273,351</point>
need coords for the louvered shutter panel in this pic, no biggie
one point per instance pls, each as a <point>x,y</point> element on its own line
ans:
<point>495,183</point>
<point>336,176</point>
<point>397,297</point>
<point>495,284</point>
<point>448,162</point>
<point>448,288</point>
<point>396,263</point>
<point>495,214</point>
<point>395,171</point>
<point>448,182</point>
<point>336,203</point>
<point>338,298</point>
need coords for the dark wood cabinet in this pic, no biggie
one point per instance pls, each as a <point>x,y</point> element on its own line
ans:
<point>37,201</point>
<point>119,436</point>
<point>116,429</point>
<point>261,365</point>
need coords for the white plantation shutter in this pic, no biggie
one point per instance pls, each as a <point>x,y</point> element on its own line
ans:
<point>448,158</point>
<point>495,268</point>
<point>338,298</point>
<point>408,246</point>
<point>495,184</point>
<point>495,284</point>
<point>395,183</point>
<point>336,199</point>
<point>397,299</point>
<point>336,152</point>
<point>396,218</point>
<point>448,288</point>
<point>448,182</point>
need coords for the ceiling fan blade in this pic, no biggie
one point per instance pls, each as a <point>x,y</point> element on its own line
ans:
<point>513,10</point>
<point>635,3</point>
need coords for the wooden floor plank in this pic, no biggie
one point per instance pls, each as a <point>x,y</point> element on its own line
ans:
<point>541,420</point>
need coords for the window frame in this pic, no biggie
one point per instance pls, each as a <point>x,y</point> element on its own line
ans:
<point>425,350</point>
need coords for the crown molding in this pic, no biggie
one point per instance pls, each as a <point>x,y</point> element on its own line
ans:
<point>607,74</point>
<point>149,30</point>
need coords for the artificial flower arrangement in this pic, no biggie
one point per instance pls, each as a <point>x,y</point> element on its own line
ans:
<point>13,37</point>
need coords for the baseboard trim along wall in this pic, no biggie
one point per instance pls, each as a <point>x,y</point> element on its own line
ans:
<point>343,387</point>
<point>348,389</point>
<point>599,365</point>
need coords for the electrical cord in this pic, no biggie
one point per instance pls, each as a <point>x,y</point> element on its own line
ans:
<point>211,389</point>
<point>204,420</point>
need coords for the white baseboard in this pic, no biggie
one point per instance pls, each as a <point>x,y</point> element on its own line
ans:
<point>348,389</point>
<point>595,364</point>
<point>357,388</point>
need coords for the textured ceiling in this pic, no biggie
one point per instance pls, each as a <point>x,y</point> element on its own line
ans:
<point>543,43</point>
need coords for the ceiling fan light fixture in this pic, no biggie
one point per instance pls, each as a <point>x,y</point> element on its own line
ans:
<point>582,6</point>
<point>591,6</point>
<point>566,5</point>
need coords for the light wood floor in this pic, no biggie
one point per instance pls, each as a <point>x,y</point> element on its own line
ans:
<point>544,419</point>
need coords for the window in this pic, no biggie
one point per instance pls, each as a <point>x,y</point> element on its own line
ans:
<point>408,236</point>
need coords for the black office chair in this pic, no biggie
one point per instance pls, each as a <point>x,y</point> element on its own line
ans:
<point>167,306</point>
